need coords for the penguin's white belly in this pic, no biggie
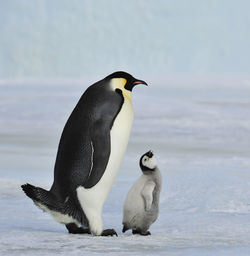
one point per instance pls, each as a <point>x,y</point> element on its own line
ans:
<point>92,199</point>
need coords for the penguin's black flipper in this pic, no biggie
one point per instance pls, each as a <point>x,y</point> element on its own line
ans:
<point>42,196</point>
<point>100,151</point>
<point>100,140</point>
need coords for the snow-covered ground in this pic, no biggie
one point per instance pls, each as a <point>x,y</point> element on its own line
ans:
<point>201,137</point>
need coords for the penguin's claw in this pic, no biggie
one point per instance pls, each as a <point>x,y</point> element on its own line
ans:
<point>109,232</point>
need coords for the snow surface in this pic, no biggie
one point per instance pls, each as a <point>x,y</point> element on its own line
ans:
<point>201,137</point>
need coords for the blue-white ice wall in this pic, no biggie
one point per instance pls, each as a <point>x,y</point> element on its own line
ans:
<point>81,38</point>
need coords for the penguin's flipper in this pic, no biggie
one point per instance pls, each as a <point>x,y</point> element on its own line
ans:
<point>100,152</point>
<point>147,194</point>
<point>100,137</point>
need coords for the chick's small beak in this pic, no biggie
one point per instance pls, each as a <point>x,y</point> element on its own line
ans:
<point>150,153</point>
<point>139,82</point>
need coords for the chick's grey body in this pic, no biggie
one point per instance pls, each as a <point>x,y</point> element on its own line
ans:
<point>141,207</point>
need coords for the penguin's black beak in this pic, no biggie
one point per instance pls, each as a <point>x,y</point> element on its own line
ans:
<point>150,153</point>
<point>136,82</point>
<point>131,84</point>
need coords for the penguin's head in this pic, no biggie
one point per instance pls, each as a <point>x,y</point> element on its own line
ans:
<point>123,81</point>
<point>148,162</point>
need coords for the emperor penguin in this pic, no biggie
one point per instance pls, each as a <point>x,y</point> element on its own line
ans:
<point>90,151</point>
<point>141,207</point>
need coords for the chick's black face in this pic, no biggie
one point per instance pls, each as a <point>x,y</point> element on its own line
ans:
<point>131,81</point>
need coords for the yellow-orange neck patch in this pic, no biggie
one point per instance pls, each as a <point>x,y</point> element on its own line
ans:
<point>119,83</point>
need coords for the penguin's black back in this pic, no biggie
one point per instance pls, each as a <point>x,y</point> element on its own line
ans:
<point>84,147</point>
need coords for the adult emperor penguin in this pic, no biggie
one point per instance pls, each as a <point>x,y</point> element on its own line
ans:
<point>89,155</point>
<point>141,206</point>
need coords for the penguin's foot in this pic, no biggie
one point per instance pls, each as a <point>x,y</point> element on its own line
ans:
<point>125,228</point>
<point>109,232</point>
<point>142,233</point>
<point>74,229</point>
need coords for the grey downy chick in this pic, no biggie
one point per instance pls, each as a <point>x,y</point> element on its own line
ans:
<point>141,207</point>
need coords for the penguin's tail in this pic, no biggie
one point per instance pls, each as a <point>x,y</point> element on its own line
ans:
<point>42,198</point>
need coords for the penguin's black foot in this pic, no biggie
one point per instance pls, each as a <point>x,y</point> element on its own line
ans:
<point>73,229</point>
<point>125,228</point>
<point>109,232</point>
<point>142,233</point>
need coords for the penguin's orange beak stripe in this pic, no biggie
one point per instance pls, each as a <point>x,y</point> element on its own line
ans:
<point>140,82</point>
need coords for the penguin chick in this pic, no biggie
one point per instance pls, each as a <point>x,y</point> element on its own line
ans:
<point>141,206</point>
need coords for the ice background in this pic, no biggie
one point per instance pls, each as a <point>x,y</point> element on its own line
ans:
<point>195,115</point>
